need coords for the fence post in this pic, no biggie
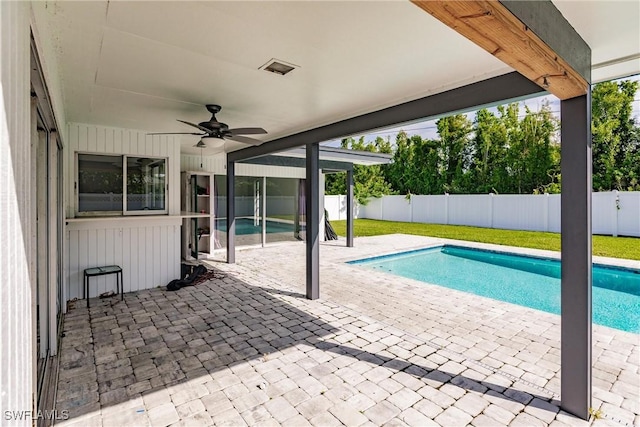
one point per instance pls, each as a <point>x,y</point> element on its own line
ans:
<point>616,206</point>
<point>546,212</point>
<point>491,210</point>
<point>446,208</point>
<point>410,208</point>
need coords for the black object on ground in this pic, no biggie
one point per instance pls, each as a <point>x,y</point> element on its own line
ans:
<point>329,232</point>
<point>189,280</point>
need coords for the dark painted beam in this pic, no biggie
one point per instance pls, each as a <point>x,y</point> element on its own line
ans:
<point>350,208</point>
<point>575,371</point>
<point>312,205</point>
<point>546,21</point>
<point>231,213</point>
<point>492,91</point>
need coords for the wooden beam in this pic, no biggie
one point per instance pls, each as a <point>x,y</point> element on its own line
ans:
<point>490,25</point>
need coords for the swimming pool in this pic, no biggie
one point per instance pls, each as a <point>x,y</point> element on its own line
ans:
<point>524,280</point>
<point>246,226</point>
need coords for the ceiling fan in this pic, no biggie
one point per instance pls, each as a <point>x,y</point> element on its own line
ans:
<point>215,129</point>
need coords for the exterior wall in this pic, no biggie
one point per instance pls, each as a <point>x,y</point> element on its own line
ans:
<point>147,248</point>
<point>45,43</point>
<point>614,213</point>
<point>16,223</point>
<point>217,165</point>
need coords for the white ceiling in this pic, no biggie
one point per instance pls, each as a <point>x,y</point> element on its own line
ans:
<point>142,65</point>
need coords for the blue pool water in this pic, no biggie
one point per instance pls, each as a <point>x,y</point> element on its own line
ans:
<point>528,281</point>
<point>246,226</point>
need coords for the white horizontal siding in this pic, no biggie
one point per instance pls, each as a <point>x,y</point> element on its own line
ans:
<point>147,250</point>
<point>17,205</point>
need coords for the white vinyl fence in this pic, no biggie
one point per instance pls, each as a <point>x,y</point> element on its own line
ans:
<point>613,213</point>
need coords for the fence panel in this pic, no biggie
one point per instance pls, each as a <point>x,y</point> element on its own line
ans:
<point>604,215</point>
<point>554,213</point>
<point>396,208</point>
<point>520,212</point>
<point>613,213</point>
<point>629,213</point>
<point>373,209</point>
<point>336,207</point>
<point>470,209</point>
<point>430,209</point>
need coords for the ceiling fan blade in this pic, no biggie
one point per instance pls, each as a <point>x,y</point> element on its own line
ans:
<point>243,139</point>
<point>247,131</point>
<point>202,128</point>
<point>174,133</point>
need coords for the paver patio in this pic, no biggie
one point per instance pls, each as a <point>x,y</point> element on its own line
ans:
<point>247,348</point>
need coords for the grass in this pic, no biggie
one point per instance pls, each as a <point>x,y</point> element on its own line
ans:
<point>615,247</point>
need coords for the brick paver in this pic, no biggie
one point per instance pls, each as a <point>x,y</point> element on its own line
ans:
<point>246,348</point>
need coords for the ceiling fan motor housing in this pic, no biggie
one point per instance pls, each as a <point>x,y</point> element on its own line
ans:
<point>215,126</point>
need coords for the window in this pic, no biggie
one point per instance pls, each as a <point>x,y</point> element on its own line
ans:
<point>117,185</point>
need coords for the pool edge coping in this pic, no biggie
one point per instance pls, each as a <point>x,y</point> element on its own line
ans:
<point>433,242</point>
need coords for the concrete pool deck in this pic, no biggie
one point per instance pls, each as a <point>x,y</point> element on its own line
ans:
<point>375,349</point>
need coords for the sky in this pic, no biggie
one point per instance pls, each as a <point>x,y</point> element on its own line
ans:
<point>427,129</point>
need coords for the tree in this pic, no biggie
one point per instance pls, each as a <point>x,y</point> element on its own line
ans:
<point>616,157</point>
<point>401,171</point>
<point>455,132</point>
<point>427,171</point>
<point>488,171</point>
<point>368,181</point>
<point>541,160</point>
<point>504,152</point>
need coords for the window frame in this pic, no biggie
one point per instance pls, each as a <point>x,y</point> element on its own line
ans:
<point>124,212</point>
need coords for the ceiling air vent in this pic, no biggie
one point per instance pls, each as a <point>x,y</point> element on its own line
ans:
<point>279,67</point>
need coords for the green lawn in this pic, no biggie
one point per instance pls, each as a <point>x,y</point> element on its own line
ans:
<point>616,247</point>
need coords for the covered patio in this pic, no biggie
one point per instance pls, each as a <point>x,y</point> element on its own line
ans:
<point>247,348</point>
<point>97,78</point>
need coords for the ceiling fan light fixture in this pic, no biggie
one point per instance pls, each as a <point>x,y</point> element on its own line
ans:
<point>212,141</point>
<point>277,66</point>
